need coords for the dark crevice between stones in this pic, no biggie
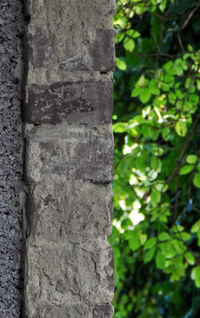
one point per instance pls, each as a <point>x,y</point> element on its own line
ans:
<point>104,72</point>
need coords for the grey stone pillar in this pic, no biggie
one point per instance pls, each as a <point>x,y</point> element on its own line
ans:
<point>69,158</point>
<point>11,159</point>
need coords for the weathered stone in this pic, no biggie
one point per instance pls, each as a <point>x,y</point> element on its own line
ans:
<point>68,34</point>
<point>79,272</point>
<point>58,208</point>
<point>47,309</point>
<point>82,102</point>
<point>69,265</point>
<point>11,159</point>
<point>75,152</point>
<point>79,310</point>
<point>103,311</point>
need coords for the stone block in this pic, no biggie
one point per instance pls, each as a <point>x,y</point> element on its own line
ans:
<point>58,208</point>
<point>75,274</point>
<point>79,310</point>
<point>71,151</point>
<point>103,311</point>
<point>74,34</point>
<point>49,310</point>
<point>79,102</point>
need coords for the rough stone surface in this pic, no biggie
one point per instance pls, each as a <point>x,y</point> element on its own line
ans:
<point>11,28</point>
<point>82,102</point>
<point>59,208</point>
<point>71,35</point>
<point>69,159</point>
<point>79,272</point>
<point>76,152</point>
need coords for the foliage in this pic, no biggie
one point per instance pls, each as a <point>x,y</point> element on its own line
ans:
<point>156,233</point>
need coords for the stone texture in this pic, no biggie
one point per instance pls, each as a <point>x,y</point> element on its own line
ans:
<point>79,310</point>
<point>103,311</point>
<point>11,28</point>
<point>59,208</point>
<point>81,102</point>
<point>78,274</point>
<point>74,35</point>
<point>75,152</point>
<point>69,265</point>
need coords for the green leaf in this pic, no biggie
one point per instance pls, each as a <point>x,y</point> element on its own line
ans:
<point>188,82</point>
<point>178,70</point>
<point>166,133</point>
<point>134,242</point>
<point>177,228</point>
<point>187,106</point>
<point>184,236</point>
<point>142,81</point>
<point>168,249</point>
<point>154,163</point>
<point>179,246</point>
<point>155,197</point>
<point>150,243</point>
<point>169,78</point>
<point>133,33</point>
<point>196,180</point>
<point>198,84</point>
<point>195,275</point>
<point>198,236</point>
<point>164,236</point>
<point>142,238</point>
<point>136,92</point>
<point>146,131</point>
<point>172,98</point>
<point>119,127</point>
<point>190,258</point>
<point>149,255</point>
<point>160,260</point>
<point>195,227</point>
<point>190,48</point>
<point>119,37</point>
<point>153,87</point>
<point>145,95</point>
<point>181,128</point>
<point>163,5</point>
<point>165,87</point>
<point>179,94</point>
<point>121,64</point>
<point>194,99</point>
<point>191,159</point>
<point>129,44</point>
<point>120,20</point>
<point>168,66</point>
<point>186,169</point>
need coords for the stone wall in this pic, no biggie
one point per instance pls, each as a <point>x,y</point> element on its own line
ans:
<point>11,161</point>
<point>69,157</point>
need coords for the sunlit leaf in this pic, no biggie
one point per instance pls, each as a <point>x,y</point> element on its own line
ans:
<point>190,258</point>
<point>186,169</point>
<point>191,159</point>
<point>196,180</point>
<point>181,128</point>
<point>121,64</point>
<point>195,275</point>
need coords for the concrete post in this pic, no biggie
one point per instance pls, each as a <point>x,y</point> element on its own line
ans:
<point>69,158</point>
